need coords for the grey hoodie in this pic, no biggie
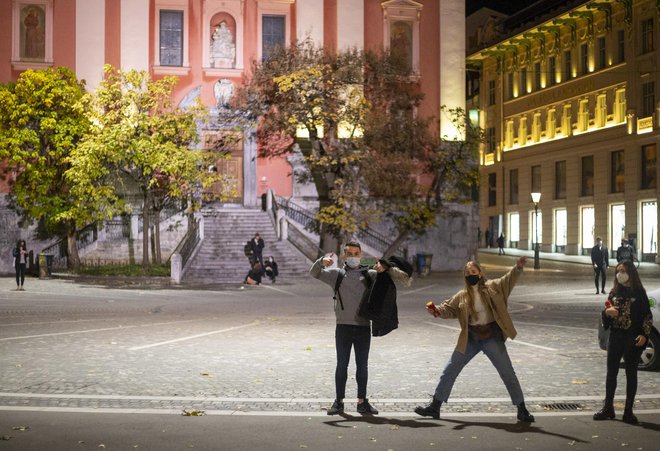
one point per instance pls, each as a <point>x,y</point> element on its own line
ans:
<point>351,290</point>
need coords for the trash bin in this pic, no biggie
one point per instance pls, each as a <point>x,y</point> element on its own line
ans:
<point>49,264</point>
<point>420,263</point>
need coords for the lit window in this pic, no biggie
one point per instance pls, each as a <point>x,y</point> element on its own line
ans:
<point>536,127</point>
<point>551,126</point>
<point>601,110</point>
<point>567,121</point>
<point>522,131</point>
<point>620,106</point>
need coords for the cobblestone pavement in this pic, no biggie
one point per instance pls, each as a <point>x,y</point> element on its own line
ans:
<point>76,344</point>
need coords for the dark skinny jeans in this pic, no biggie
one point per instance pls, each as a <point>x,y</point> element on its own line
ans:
<point>20,274</point>
<point>347,337</point>
<point>622,344</point>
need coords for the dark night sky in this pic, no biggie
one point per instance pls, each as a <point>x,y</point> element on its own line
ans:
<point>505,6</point>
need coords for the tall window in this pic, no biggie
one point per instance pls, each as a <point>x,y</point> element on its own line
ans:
<point>171,38</point>
<point>561,229</point>
<point>618,221</point>
<point>587,176</point>
<point>509,85</point>
<point>552,69</point>
<point>491,92</point>
<point>523,81</point>
<point>560,179</point>
<point>647,35</point>
<point>490,139</point>
<point>514,227</point>
<point>568,68</point>
<point>537,76</point>
<point>492,189</point>
<point>617,172</point>
<point>584,59</point>
<point>536,179</point>
<point>649,240</point>
<point>273,34</point>
<point>649,165</point>
<point>648,99</point>
<point>620,46</point>
<point>513,187</point>
<point>602,52</point>
<point>508,138</point>
<point>588,225</point>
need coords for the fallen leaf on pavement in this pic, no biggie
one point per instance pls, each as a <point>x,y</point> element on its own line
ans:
<point>579,381</point>
<point>192,413</point>
<point>20,428</point>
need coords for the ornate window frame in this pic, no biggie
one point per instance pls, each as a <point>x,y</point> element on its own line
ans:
<point>404,11</point>
<point>273,8</point>
<point>21,63</point>
<point>171,5</point>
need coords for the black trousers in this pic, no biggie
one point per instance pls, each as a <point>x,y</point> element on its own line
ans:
<point>347,337</point>
<point>622,344</point>
<point>600,271</point>
<point>20,274</point>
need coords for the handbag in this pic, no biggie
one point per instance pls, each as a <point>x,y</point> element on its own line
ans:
<point>482,331</point>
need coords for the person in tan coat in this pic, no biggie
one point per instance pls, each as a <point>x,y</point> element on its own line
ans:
<point>482,312</point>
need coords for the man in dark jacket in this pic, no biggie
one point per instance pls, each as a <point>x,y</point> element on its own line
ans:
<point>257,245</point>
<point>600,259</point>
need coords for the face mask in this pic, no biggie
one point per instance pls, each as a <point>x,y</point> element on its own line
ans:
<point>472,279</point>
<point>353,262</point>
<point>622,277</point>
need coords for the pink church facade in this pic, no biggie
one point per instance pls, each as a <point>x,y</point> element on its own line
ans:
<point>210,46</point>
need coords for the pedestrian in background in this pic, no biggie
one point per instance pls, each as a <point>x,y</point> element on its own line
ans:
<point>628,317</point>
<point>21,262</point>
<point>487,235</point>
<point>500,244</point>
<point>624,252</point>
<point>482,311</point>
<point>257,245</point>
<point>352,331</point>
<point>600,258</point>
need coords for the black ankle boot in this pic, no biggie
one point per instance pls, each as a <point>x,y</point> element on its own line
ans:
<point>524,415</point>
<point>628,416</point>
<point>606,413</point>
<point>430,410</point>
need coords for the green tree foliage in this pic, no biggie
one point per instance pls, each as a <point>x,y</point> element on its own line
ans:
<point>140,140</point>
<point>43,117</point>
<point>368,152</point>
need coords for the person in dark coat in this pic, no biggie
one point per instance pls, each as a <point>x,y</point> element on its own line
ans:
<point>254,275</point>
<point>600,258</point>
<point>257,245</point>
<point>21,257</point>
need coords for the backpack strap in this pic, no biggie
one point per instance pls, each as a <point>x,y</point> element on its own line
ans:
<point>340,278</point>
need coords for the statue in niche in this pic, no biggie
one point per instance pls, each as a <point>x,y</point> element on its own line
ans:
<point>223,90</point>
<point>34,36</point>
<point>223,49</point>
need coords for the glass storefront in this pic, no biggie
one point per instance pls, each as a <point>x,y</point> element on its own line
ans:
<point>561,229</point>
<point>514,229</point>
<point>533,236</point>
<point>618,221</point>
<point>649,239</point>
<point>587,227</point>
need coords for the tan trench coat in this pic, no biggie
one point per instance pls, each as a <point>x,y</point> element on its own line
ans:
<point>496,294</point>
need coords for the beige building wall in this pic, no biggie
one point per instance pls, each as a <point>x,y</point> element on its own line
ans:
<point>609,108</point>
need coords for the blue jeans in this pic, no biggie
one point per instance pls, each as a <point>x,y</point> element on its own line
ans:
<point>347,337</point>
<point>495,350</point>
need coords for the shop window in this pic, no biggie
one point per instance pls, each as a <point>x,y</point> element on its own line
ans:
<point>587,228</point>
<point>561,229</point>
<point>514,229</point>
<point>618,220</point>
<point>649,239</point>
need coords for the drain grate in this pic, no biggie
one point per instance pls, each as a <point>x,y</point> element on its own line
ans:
<point>562,406</point>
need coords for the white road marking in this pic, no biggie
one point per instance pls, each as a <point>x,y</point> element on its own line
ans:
<point>87,331</point>
<point>518,342</point>
<point>406,293</point>
<point>557,326</point>
<point>192,337</point>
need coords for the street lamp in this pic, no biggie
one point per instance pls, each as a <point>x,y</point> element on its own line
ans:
<point>536,198</point>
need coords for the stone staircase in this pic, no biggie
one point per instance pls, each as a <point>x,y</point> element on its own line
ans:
<point>221,259</point>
